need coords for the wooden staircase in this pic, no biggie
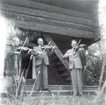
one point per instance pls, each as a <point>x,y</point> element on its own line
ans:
<point>62,90</point>
<point>61,65</point>
<point>56,92</point>
<point>57,64</point>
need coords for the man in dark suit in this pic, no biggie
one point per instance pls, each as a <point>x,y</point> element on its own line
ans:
<point>75,67</point>
<point>41,65</point>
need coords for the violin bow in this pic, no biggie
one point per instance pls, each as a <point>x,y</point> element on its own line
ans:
<point>46,46</point>
<point>43,50</point>
<point>23,44</point>
<point>79,42</point>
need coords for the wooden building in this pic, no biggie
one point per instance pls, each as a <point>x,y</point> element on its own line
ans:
<point>58,21</point>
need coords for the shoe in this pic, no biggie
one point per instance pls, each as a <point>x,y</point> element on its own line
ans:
<point>46,89</point>
<point>81,94</point>
<point>75,94</point>
<point>37,90</point>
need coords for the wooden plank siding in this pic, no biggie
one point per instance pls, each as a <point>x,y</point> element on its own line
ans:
<point>28,18</point>
<point>53,29</point>
<point>45,14</point>
<point>41,19</point>
<point>45,7</point>
<point>96,22</point>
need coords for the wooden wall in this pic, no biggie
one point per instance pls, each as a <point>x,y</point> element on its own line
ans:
<point>51,19</point>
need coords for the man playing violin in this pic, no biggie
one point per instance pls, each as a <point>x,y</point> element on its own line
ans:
<point>41,64</point>
<point>75,67</point>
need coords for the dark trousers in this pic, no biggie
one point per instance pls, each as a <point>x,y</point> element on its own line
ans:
<point>42,77</point>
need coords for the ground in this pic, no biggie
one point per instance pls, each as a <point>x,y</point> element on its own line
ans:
<point>55,100</point>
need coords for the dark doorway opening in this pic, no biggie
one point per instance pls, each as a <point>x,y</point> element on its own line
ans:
<point>26,65</point>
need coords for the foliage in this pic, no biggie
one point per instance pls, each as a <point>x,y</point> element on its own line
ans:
<point>94,65</point>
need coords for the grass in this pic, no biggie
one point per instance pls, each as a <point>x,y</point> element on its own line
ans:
<point>69,100</point>
<point>54,100</point>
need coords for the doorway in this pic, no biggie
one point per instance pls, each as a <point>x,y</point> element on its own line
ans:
<point>26,65</point>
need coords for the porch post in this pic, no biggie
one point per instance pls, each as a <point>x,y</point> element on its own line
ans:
<point>20,65</point>
<point>16,66</point>
<point>33,68</point>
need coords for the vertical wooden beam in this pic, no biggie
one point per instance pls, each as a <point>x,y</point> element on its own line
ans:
<point>33,68</point>
<point>57,51</point>
<point>16,63</point>
<point>20,65</point>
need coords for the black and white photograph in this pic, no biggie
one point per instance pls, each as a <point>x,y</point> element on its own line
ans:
<point>53,52</point>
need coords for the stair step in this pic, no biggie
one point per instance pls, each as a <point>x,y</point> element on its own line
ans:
<point>68,78</point>
<point>29,81</point>
<point>57,87</point>
<point>55,93</point>
<point>61,68</point>
<point>65,92</point>
<point>65,74</point>
<point>54,58</point>
<point>59,64</point>
<point>70,87</point>
<point>61,90</point>
<point>58,91</point>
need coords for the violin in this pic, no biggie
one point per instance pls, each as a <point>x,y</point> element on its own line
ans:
<point>47,47</point>
<point>81,46</point>
<point>44,48</point>
<point>23,48</point>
